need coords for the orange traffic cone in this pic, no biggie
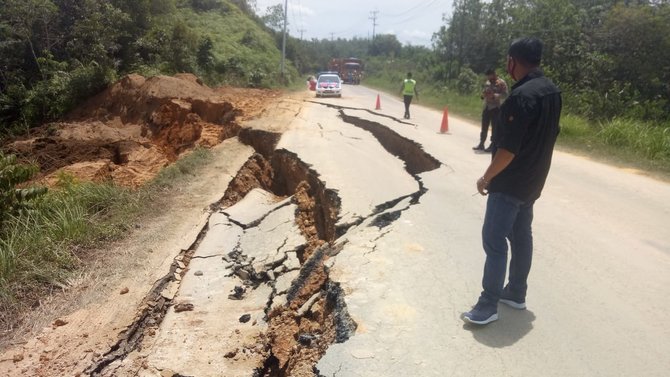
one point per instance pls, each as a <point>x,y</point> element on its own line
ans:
<point>444,128</point>
<point>378,106</point>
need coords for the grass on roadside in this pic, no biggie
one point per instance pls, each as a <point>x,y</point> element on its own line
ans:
<point>631,143</point>
<point>41,248</point>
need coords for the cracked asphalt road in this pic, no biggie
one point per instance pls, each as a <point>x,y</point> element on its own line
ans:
<point>600,275</point>
<point>411,260</point>
<point>404,260</point>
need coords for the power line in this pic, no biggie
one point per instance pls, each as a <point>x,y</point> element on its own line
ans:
<point>374,22</point>
<point>302,24</point>
<point>350,28</point>
<point>404,13</point>
<point>427,5</point>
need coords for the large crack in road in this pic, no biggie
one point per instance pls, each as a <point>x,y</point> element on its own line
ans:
<point>304,309</point>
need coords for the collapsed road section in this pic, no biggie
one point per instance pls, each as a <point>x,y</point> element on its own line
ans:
<point>253,296</point>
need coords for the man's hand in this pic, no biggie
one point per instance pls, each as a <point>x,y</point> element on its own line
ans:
<point>482,186</point>
<point>502,158</point>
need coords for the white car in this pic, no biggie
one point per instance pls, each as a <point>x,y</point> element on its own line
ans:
<point>329,85</point>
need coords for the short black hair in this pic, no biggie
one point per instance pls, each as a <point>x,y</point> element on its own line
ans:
<point>409,75</point>
<point>490,71</point>
<point>527,50</point>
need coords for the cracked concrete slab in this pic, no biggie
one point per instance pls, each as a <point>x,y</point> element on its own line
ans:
<point>400,295</point>
<point>284,282</point>
<point>404,275</point>
<point>222,237</point>
<point>194,342</point>
<point>379,176</point>
<point>269,242</point>
<point>253,207</point>
<point>292,262</point>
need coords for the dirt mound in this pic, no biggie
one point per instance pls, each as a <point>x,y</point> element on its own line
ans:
<point>137,126</point>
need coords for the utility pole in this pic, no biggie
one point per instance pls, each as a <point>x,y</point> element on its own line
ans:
<point>332,35</point>
<point>283,43</point>
<point>374,22</point>
<point>301,31</point>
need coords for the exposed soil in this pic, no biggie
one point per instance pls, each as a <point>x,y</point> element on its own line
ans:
<point>133,129</point>
<point>128,133</point>
<point>300,331</point>
<point>125,135</point>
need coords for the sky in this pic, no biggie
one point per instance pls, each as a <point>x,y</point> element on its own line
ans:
<point>411,21</point>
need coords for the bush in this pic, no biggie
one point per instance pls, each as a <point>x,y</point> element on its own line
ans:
<point>15,200</point>
<point>12,101</point>
<point>88,80</point>
<point>256,78</point>
<point>206,5</point>
<point>618,100</point>
<point>62,90</point>
<point>467,82</point>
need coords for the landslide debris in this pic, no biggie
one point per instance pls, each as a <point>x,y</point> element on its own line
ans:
<point>129,132</point>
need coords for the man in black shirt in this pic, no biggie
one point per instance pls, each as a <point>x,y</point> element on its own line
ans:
<point>515,178</point>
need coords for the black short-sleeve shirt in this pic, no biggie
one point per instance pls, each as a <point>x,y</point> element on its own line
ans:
<point>528,127</point>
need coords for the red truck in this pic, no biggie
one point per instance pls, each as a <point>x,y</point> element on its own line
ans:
<point>349,69</point>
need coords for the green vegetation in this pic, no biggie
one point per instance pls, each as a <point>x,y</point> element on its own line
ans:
<point>608,57</point>
<point>16,200</point>
<point>42,246</point>
<point>623,140</point>
<point>56,53</point>
<point>628,142</point>
<point>466,106</point>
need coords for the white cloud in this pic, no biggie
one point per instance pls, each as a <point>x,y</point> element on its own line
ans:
<point>303,9</point>
<point>411,21</point>
<point>416,33</point>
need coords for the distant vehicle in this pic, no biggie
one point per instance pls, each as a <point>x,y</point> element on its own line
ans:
<point>329,84</point>
<point>349,69</point>
<point>328,73</point>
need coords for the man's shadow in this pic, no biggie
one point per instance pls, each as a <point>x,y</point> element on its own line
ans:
<point>511,326</point>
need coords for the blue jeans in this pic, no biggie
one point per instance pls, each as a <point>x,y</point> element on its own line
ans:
<point>507,218</point>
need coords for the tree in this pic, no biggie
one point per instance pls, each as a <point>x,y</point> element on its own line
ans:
<point>637,39</point>
<point>461,40</point>
<point>205,5</point>
<point>182,48</point>
<point>274,17</point>
<point>96,32</point>
<point>205,57</point>
<point>30,21</point>
<point>385,44</point>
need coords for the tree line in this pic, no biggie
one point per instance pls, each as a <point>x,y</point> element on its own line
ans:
<point>611,57</point>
